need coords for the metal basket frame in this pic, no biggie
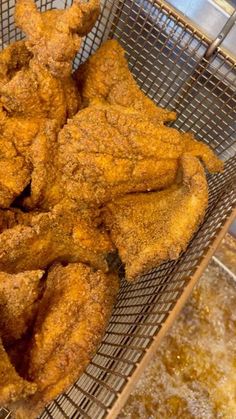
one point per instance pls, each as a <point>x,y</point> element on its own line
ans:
<point>166,56</point>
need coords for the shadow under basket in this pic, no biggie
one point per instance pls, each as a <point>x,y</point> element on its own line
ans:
<point>166,56</point>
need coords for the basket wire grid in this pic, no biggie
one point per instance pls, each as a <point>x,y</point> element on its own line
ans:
<point>166,56</point>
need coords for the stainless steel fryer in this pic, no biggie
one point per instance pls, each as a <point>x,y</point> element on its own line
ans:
<point>167,56</point>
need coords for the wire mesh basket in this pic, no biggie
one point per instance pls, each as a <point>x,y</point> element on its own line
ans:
<point>166,56</point>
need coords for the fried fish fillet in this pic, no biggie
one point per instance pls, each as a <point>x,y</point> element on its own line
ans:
<point>14,173</point>
<point>151,228</point>
<point>33,92</point>
<point>203,152</point>
<point>105,151</point>
<point>13,58</point>
<point>19,294</point>
<point>63,234</point>
<point>54,36</point>
<point>106,75</point>
<point>71,321</point>
<point>24,142</point>
<point>28,89</point>
<point>108,150</point>
<point>12,386</point>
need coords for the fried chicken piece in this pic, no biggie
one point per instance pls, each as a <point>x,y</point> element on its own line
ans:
<point>12,386</point>
<point>19,295</point>
<point>71,321</point>
<point>151,228</point>
<point>106,75</point>
<point>64,234</point>
<point>108,150</point>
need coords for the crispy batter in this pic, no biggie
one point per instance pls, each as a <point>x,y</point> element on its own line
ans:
<point>108,150</point>
<point>10,218</point>
<point>19,295</point>
<point>26,143</point>
<point>149,229</point>
<point>41,154</point>
<point>14,173</point>
<point>12,386</point>
<point>12,59</point>
<point>106,75</point>
<point>202,151</point>
<point>72,318</point>
<point>64,234</point>
<point>55,35</point>
<point>105,151</point>
<point>34,92</point>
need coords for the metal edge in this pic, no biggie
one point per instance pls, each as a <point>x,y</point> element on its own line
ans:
<point>150,352</point>
<point>193,27</point>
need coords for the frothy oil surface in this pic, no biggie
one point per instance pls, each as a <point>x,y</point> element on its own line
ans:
<point>193,374</point>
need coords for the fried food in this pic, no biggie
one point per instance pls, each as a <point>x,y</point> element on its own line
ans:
<point>33,92</point>
<point>105,151</point>
<point>12,386</point>
<point>203,152</point>
<point>108,150</point>
<point>151,228</point>
<point>71,321</point>
<point>54,36</point>
<point>28,89</point>
<point>12,59</point>
<point>19,294</point>
<point>14,173</point>
<point>64,234</point>
<point>21,154</point>
<point>106,76</point>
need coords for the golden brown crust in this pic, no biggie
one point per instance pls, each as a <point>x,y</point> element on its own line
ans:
<point>14,173</point>
<point>19,295</point>
<point>13,58</point>
<point>203,151</point>
<point>108,150</point>
<point>55,35</point>
<point>64,234</point>
<point>106,75</point>
<point>149,229</point>
<point>72,318</point>
<point>105,151</point>
<point>12,386</point>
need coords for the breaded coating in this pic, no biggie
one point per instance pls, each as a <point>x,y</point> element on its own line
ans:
<point>64,234</point>
<point>12,386</point>
<point>71,321</point>
<point>54,36</point>
<point>108,150</point>
<point>106,75</point>
<point>202,151</point>
<point>33,92</point>
<point>105,151</point>
<point>24,143</point>
<point>10,218</point>
<point>14,172</point>
<point>12,59</point>
<point>151,228</point>
<point>19,294</point>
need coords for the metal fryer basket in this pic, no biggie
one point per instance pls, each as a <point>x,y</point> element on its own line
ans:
<point>166,56</point>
